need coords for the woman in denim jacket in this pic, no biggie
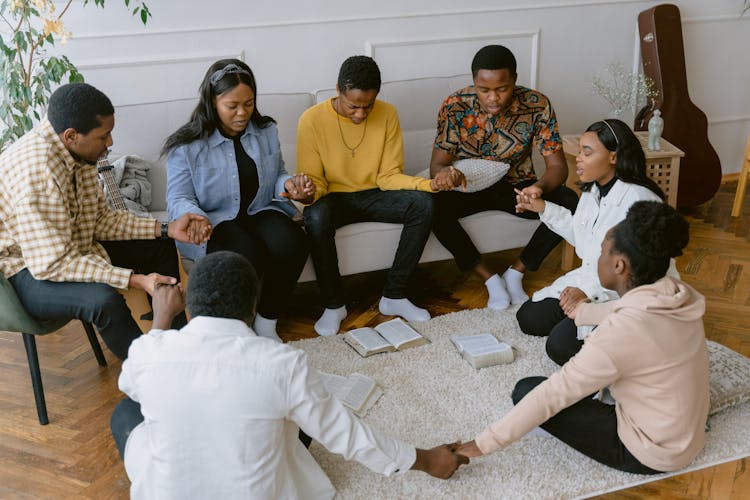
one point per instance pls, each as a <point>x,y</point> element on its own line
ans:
<point>226,164</point>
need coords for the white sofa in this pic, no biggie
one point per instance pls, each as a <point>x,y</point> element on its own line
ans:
<point>366,246</point>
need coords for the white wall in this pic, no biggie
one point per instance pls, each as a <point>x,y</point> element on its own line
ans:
<point>298,45</point>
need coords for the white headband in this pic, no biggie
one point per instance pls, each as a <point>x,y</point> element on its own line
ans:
<point>617,141</point>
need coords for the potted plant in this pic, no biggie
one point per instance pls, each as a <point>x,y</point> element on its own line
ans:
<point>28,29</point>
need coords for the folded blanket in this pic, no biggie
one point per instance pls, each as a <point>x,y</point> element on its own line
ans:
<point>131,174</point>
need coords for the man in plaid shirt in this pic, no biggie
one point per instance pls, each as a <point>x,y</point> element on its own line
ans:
<point>62,248</point>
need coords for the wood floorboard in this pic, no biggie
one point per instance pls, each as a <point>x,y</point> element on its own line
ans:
<point>74,456</point>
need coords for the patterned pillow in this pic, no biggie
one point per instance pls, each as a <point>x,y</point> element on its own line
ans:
<point>729,377</point>
<point>480,174</point>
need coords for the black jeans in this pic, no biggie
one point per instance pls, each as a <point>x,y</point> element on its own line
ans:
<point>275,246</point>
<point>588,426</point>
<point>453,205</point>
<point>546,317</point>
<point>413,209</point>
<point>99,303</point>
<point>127,416</point>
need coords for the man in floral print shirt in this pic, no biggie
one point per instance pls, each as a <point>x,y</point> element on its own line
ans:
<point>497,120</point>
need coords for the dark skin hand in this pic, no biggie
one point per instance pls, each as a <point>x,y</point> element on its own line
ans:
<point>440,461</point>
<point>168,302</point>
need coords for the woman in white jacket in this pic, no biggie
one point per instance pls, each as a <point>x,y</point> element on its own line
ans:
<point>611,167</point>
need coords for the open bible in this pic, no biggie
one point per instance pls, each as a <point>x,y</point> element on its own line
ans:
<point>483,350</point>
<point>357,392</point>
<point>393,335</point>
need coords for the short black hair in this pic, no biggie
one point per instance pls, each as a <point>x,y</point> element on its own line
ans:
<point>78,106</point>
<point>651,234</point>
<point>359,72</point>
<point>493,57</point>
<point>223,285</point>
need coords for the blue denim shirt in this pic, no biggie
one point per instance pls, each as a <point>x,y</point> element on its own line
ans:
<point>202,179</point>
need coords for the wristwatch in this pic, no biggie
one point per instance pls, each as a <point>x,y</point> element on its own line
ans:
<point>164,230</point>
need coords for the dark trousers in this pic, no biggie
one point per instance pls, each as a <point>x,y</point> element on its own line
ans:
<point>99,303</point>
<point>588,426</point>
<point>413,209</point>
<point>546,317</point>
<point>127,416</point>
<point>453,205</point>
<point>274,245</point>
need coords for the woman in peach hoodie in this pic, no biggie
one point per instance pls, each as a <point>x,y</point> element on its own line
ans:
<point>649,350</point>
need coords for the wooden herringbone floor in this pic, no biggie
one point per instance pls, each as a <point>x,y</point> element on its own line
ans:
<point>74,455</point>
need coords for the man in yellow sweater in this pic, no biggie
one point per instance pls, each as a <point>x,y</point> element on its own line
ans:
<point>350,146</point>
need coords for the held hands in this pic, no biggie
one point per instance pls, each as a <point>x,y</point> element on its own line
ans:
<point>469,449</point>
<point>529,199</point>
<point>169,301</point>
<point>570,299</point>
<point>441,461</point>
<point>299,188</point>
<point>447,178</point>
<point>190,228</point>
<point>148,282</point>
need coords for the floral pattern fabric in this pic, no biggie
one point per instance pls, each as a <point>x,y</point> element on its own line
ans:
<point>464,130</point>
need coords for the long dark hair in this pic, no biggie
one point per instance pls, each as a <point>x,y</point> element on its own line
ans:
<point>204,119</point>
<point>651,234</point>
<point>630,165</point>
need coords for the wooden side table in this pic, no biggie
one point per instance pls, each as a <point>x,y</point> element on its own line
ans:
<point>739,196</point>
<point>662,166</point>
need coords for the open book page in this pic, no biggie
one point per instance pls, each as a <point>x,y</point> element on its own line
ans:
<point>357,392</point>
<point>367,341</point>
<point>399,334</point>
<point>483,350</point>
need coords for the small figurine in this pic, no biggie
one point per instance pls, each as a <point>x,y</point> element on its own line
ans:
<point>655,128</point>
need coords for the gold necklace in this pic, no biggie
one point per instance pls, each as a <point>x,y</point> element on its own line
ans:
<point>341,131</point>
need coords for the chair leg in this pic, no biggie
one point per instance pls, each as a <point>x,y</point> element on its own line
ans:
<point>36,377</point>
<point>94,343</point>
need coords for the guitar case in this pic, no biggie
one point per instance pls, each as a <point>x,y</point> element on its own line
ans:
<point>685,125</point>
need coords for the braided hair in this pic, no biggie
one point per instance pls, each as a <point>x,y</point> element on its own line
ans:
<point>360,73</point>
<point>651,234</point>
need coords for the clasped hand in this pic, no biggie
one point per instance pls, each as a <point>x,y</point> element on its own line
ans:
<point>570,299</point>
<point>441,461</point>
<point>530,199</point>
<point>191,228</point>
<point>299,188</point>
<point>448,178</point>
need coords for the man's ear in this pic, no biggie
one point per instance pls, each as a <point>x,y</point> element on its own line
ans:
<point>69,137</point>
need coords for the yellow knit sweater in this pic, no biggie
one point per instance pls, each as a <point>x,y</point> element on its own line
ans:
<point>378,162</point>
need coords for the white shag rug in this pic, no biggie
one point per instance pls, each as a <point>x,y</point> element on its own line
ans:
<point>432,396</point>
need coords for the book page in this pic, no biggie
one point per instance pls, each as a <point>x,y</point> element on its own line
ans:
<point>368,339</point>
<point>476,344</point>
<point>397,332</point>
<point>354,391</point>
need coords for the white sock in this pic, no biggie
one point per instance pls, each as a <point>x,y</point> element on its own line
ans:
<point>330,322</point>
<point>403,308</point>
<point>499,298</point>
<point>514,281</point>
<point>265,327</point>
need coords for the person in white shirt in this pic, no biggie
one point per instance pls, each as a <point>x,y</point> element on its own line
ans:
<point>214,410</point>
<point>611,167</point>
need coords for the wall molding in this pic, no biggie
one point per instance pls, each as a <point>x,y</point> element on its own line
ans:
<point>715,19</point>
<point>338,20</point>
<point>154,61</point>
<point>729,119</point>
<point>371,46</point>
